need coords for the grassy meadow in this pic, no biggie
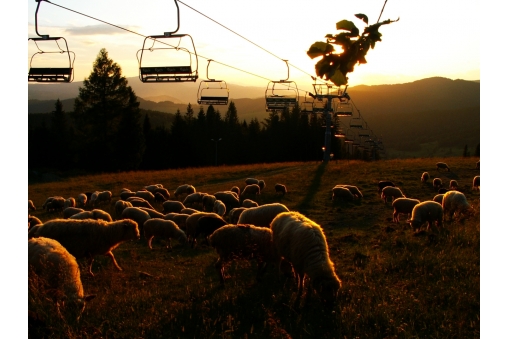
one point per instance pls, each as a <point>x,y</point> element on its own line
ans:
<point>395,284</point>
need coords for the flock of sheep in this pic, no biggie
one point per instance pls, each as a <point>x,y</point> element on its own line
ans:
<point>229,221</point>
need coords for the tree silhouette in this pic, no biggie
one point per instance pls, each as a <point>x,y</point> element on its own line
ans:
<point>59,137</point>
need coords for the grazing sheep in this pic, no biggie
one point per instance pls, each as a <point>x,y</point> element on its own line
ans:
<point>353,189</point>
<point>152,188</point>
<point>252,189</point>
<point>234,214</point>
<point>88,238</point>
<point>192,224</point>
<point>184,190</point>
<point>442,190</point>
<point>179,218</point>
<point>69,202</point>
<point>120,205</point>
<point>437,183</point>
<point>103,197</point>
<point>280,188</point>
<point>383,184</point>
<point>455,203</point>
<point>70,211</point>
<point>81,200</point>
<point>242,241</point>
<point>53,204</point>
<point>166,229</point>
<point>253,181</point>
<point>170,206</point>
<point>476,183</point>
<point>163,191</point>
<point>153,213</point>
<point>219,208</point>
<point>235,189</point>
<point>442,165</point>
<point>136,214</point>
<point>127,194</point>
<point>229,198</point>
<point>189,211</point>
<point>146,195</point>
<point>438,198</point>
<point>425,177</point>
<point>454,184</point>
<point>139,202</point>
<point>339,192</point>
<point>404,206</point>
<point>301,241</point>
<point>391,192</point>
<point>159,198</point>
<point>93,198</point>
<point>95,214</point>
<point>208,202</point>
<point>426,212</point>
<point>249,203</point>
<point>194,200</point>
<point>53,271</point>
<point>33,221</point>
<point>48,200</point>
<point>31,206</point>
<point>208,224</point>
<point>262,215</point>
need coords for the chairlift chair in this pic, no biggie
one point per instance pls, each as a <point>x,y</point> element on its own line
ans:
<point>356,123</point>
<point>343,108</point>
<point>50,74</point>
<point>281,94</point>
<point>307,106</point>
<point>212,91</point>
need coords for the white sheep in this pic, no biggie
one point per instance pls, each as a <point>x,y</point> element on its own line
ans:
<point>120,205</point>
<point>161,190</point>
<point>208,201</point>
<point>208,224</point>
<point>437,183</point>
<point>249,203</point>
<point>252,189</point>
<point>171,206</point>
<point>103,197</point>
<point>93,198</point>
<point>194,200</point>
<point>253,181</point>
<point>54,204</point>
<point>96,214</point>
<point>234,214</point>
<point>455,203</point>
<point>353,189</point>
<point>382,184</point>
<point>438,198</point>
<point>191,225</point>
<point>339,192</point>
<point>136,214</point>
<point>262,215</point>
<point>126,195</point>
<point>228,198</point>
<point>33,221</point>
<point>391,192</point>
<point>476,183</point>
<point>426,212</point>
<point>454,184</point>
<point>153,213</point>
<point>69,202</point>
<point>219,208</point>
<point>166,229</point>
<point>88,238</point>
<point>70,211</point>
<point>442,165</point>
<point>139,202</point>
<point>425,177</point>
<point>179,218</point>
<point>242,241</point>
<point>183,191</point>
<point>189,211</point>
<point>31,206</point>
<point>235,189</point>
<point>81,200</point>
<point>301,241</point>
<point>280,188</point>
<point>54,272</point>
<point>146,195</point>
<point>404,206</point>
<point>152,188</point>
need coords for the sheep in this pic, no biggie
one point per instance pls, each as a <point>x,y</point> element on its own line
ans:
<point>103,197</point>
<point>70,211</point>
<point>353,189</point>
<point>426,212</point>
<point>249,203</point>
<point>252,189</point>
<point>262,215</point>
<point>339,192</point>
<point>53,271</point>
<point>383,184</point>
<point>184,190</point>
<point>31,206</point>
<point>33,221</point>
<point>301,241</point>
<point>219,208</point>
<point>194,200</point>
<point>242,241</point>
<point>179,218</point>
<point>453,184</point>
<point>437,183</point>
<point>127,194</point>
<point>191,225</point>
<point>95,214</point>
<point>280,188</point>
<point>425,177</point>
<point>93,198</point>
<point>152,188</point>
<point>208,202</point>
<point>476,183</point>
<point>146,195</point>
<point>253,181</point>
<point>139,202</point>
<point>189,211</point>
<point>235,189</point>
<point>393,192</point>
<point>53,204</point>
<point>234,214</point>
<point>208,224</point>
<point>136,214</point>
<point>159,198</point>
<point>403,205</point>
<point>164,192</point>
<point>69,202</point>
<point>81,200</point>
<point>153,213</point>
<point>120,205</point>
<point>454,203</point>
<point>172,206</point>
<point>88,238</point>
<point>442,165</point>
<point>438,198</point>
<point>48,200</point>
<point>229,199</point>
<point>166,229</point>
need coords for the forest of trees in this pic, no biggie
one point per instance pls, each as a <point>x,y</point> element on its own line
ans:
<point>107,133</point>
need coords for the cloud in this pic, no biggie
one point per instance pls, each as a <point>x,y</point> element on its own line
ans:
<point>98,30</point>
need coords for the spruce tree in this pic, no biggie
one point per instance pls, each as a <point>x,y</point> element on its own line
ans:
<point>59,137</point>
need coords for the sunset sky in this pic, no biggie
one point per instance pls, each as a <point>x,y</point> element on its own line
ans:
<point>432,37</point>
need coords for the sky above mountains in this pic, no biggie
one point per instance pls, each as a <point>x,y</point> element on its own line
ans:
<point>431,38</point>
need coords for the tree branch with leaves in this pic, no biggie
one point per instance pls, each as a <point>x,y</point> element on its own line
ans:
<point>335,65</point>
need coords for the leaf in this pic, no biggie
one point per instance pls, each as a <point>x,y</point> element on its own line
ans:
<point>347,26</point>
<point>338,78</point>
<point>363,17</point>
<point>319,48</point>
